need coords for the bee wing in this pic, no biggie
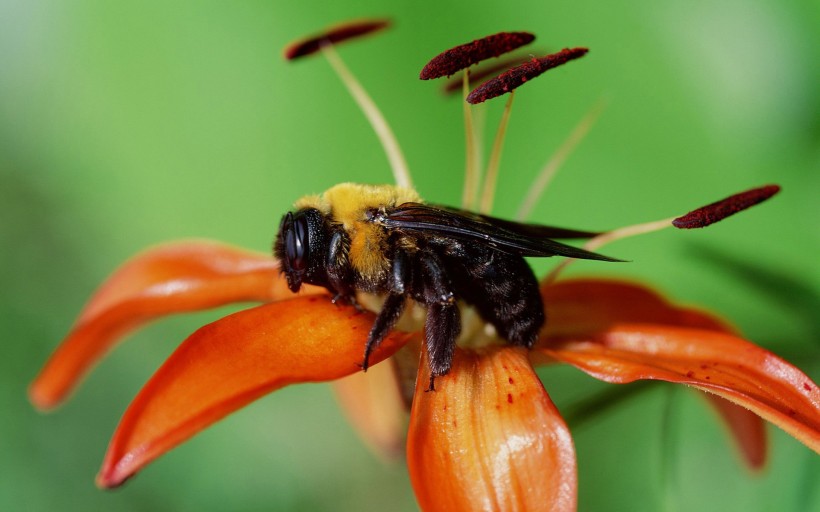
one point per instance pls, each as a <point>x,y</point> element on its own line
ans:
<point>468,227</point>
<point>523,228</point>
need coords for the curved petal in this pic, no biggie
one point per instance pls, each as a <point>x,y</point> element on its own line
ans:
<point>170,278</point>
<point>717,362</point>
<point>231,362</point>
<point>489,438</point>
<point>587,307</point>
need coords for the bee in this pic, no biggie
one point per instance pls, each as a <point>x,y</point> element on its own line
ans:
<point>385,240</point>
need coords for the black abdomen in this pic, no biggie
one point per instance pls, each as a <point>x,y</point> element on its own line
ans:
<point>501,286</point>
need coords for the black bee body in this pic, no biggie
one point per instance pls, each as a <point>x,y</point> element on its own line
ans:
<point>384,240</point>
<point>501,286</point>
<point>437,271</point>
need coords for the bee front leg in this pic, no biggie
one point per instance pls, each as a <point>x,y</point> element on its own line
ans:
<point>388,316</point>
<point>339,275</point>
<point>443,321</point>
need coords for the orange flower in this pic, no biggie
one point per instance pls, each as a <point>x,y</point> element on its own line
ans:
<point>488,437</point>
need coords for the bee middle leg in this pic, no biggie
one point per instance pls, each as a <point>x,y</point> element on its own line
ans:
<point>441,330</point>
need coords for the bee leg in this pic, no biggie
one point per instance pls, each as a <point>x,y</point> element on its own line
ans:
<point>389,315</point>
<point>392,308</point>
<point>441,330</point>
<point>350,299</point>
<point>339,278</point>
<point>443,323</point>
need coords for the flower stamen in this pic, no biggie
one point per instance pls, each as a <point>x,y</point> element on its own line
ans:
<point>700,217</point>
<point>325,44</point>
<point>465,55</point>
<point>337,34</point>
<point>558,158</point>
<point>719,210</point>
<point>485,72</point>
<point>388,140</point>
<point>491,177</point>
<point>471,170</point>
<point>519,75</point>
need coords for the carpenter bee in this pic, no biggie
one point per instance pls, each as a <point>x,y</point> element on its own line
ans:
<point>386,240</point>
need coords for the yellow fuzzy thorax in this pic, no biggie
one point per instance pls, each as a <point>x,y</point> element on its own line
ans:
<point>347,204</point>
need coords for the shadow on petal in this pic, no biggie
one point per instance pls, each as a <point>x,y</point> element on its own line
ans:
<point>747,429</point>
<point>489,438</point>
<point>373,404</point>
<point>587,306</point>
<point>233,361</point>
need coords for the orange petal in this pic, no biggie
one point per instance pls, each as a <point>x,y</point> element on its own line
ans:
<point>231,362</point>
<point>720,363</point>
<point>489,438</point>
<point>171,278</point>
<point>585,307</point>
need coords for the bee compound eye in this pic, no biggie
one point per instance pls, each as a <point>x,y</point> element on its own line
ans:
<point>296,243</point>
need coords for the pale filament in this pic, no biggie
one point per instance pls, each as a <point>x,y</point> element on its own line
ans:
<point>490,179</point>
<point>558,158</point>
<point>610,236</point>
<point>388,140</point>
<point>471,168</point>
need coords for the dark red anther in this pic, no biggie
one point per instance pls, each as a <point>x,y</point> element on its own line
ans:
<point>719,210</point>
<point>333,35</point>
<point>485,72</point>
<point>515,77</point>
<point>465,55</point>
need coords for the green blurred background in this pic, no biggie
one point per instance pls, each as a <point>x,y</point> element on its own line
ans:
<point>126,124</point>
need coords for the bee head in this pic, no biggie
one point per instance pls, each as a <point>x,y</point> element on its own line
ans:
<point>299,247</point>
